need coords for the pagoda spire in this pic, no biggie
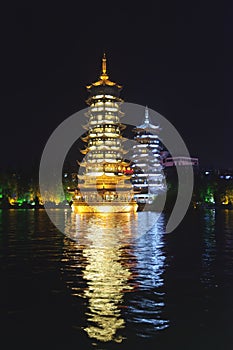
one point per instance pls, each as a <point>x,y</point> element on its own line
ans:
<point>147,121</point>
<point>104,75</point>
<point>104,81</point>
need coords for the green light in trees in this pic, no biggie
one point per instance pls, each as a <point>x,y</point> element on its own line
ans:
<point>21,201</point>
<point>209,196</point>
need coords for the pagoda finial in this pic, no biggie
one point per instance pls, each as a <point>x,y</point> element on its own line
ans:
<point>104,75</point>
<point>147,115</point>
<point>104,64</point>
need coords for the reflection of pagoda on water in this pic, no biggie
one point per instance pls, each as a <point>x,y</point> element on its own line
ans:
<point>148,177</point>
<point>96,261</point>
<point>103,185</point>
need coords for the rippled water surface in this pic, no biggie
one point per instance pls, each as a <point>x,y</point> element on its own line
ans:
<point>111,284</point>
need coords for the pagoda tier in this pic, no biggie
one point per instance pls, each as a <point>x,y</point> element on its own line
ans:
<point>147,165</point>
<point>102,178</point>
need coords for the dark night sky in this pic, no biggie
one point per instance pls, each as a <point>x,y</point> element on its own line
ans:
<point>175,57</point>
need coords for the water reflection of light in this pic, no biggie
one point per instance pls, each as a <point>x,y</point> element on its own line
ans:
<point>107,275</point>
<point>146,313</point>
<point>228,243</point>
<point>109,262</point>
<point>107,280</point>
<point>209,249</point>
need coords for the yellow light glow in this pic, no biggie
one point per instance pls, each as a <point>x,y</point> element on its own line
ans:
<point>104,148</point>
<point>113,207</point>
<point>106,275</point>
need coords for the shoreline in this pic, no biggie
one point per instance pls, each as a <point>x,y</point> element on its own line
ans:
<point>67,206</point>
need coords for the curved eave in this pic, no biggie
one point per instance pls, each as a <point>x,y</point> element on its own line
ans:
<point>85,138</point>
<point>92,98</point>
<point>103,82</point>
<point>92,125</point>
<point>117,178</point>
<point>84,151</point>
<point>124,163</point>
<point>147,127</point>
<point>81,163</point>
<point>86,126</point>
<point>122,126</point>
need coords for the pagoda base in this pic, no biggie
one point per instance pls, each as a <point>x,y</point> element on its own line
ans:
<point>104,207</point>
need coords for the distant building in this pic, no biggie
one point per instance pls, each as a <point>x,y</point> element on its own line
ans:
<point>180,161</point>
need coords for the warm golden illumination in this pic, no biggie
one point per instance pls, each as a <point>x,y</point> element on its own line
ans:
<point>114,207</point>
<point>104,68</point>
<point>104,78</point>
<point>105,271</point>
<point>103,185</point>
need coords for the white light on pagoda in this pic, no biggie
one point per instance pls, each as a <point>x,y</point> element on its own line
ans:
<point>95,173</point>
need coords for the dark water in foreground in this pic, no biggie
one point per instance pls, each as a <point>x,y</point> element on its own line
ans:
<point>108,290</point>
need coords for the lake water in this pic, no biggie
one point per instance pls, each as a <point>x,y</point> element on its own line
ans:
<point>112,284</point>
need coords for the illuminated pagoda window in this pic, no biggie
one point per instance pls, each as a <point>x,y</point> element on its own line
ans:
<point>148,174</point>
<point>103,177</point>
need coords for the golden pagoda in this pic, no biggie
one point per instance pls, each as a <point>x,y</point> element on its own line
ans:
<point>104,185</point>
